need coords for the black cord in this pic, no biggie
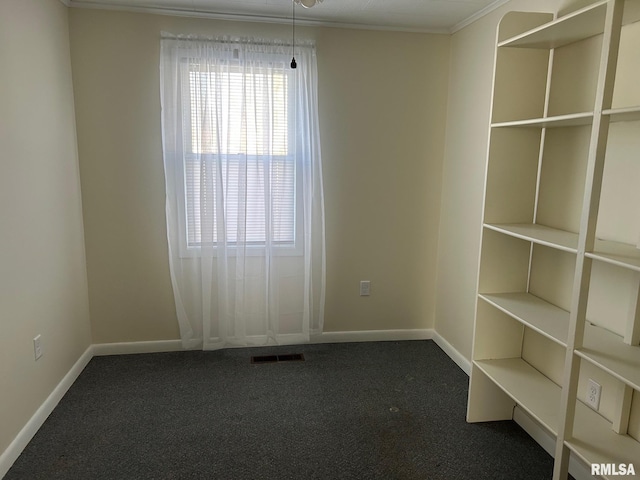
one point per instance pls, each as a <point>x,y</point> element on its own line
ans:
<point>293,43</point>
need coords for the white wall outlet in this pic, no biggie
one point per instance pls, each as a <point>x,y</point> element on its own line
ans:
<point>593,394</point>
<point>365,288</point>
<point>37,347</point>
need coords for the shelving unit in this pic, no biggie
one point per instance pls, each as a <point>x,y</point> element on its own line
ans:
<point>559,272</point>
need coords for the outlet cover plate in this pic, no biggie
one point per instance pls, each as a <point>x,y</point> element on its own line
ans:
<point>594,390</point>
<point>37,347</point>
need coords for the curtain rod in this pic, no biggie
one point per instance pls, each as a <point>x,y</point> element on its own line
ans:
<point>241,40</point>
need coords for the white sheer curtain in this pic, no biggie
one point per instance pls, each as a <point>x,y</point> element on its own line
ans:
<point>245,213</point>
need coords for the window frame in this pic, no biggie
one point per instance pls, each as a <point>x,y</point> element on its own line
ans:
<point>251,249</point>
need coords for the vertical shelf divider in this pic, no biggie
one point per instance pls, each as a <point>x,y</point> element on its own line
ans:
<point>632,334</point>
<point>623,409</point>
<point>586,238</point>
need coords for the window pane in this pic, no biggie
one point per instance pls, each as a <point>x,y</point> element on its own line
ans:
<point>233,112</point>
<point>239,171</point>
<point>257,205</point>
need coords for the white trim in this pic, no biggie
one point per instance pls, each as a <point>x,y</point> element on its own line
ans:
<point>478,15</point>
<point>251,341</point>
<point>578,469</point>
<point>374,336</point>
<point>125,348</point>
<point>176,12</point>
<point>15,448</point>
<point>454,354</point>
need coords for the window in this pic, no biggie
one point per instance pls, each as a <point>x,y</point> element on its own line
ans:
<point>239,163</point>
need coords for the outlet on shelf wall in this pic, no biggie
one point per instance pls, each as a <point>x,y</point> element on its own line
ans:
<point>594,390</point>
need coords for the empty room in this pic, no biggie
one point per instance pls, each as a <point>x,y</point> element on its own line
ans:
<point>319,239</point>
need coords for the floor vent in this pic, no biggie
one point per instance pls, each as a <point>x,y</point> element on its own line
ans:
<point>292,357</point>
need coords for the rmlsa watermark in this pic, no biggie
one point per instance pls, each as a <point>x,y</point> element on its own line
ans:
<point>612,469</point>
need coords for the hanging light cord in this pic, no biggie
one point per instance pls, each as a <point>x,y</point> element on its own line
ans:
<point>293,43</point>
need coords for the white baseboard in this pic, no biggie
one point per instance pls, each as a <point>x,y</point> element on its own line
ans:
<point>124,348</point>
<point>15,448</point>
<point>546,440</point>
<point>373,336</point>
<point>453,354</point>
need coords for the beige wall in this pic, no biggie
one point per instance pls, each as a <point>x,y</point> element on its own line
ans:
<point>467,130</point>
<point>382,109</point>
<point>43,285</point>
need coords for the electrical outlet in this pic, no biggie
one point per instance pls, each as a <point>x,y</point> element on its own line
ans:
<point>593,394</point>
<point>365,288</point>
<point>37,347</point>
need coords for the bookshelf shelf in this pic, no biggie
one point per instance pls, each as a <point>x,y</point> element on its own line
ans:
<point>540,234</point>
<point>538,395</point>
<point>533,312</point>
<point>580,25</point>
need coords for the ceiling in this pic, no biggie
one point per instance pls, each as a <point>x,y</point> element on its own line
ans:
<point>439,16</point>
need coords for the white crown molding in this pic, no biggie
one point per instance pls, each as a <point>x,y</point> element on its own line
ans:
<point>478,15</point>
<point>177,12</point>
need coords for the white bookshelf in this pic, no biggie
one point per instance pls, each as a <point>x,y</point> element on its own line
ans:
<point>557,303</point>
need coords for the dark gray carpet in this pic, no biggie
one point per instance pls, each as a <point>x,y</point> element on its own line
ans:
<point>387,410</point>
